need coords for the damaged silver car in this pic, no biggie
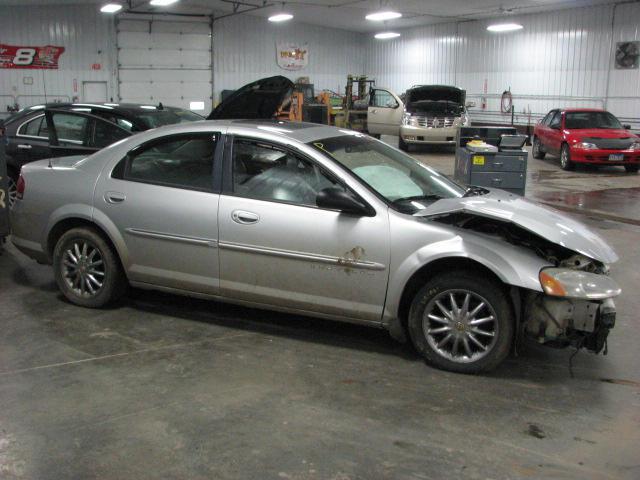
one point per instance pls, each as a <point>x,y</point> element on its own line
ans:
<point>318,221</point>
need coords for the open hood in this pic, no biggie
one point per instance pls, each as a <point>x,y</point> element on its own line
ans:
<point>257,100</point>
<point>542,221</point>
<point>436,93</point>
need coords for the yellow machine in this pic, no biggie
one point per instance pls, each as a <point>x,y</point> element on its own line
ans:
<point>354,107</point>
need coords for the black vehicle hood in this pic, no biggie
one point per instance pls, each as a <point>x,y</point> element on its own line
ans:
<point>257,100</point>
<point>435,93</point>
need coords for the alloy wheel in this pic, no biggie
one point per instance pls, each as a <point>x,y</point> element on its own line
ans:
<point>83,268</point>
<point>460,326</point>
<point>564,161</point>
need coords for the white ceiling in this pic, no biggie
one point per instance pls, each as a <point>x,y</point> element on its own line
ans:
<point>349,14</point>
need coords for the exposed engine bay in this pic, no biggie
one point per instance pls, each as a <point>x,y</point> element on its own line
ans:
<point>441,108</point>
<point>553,321</point>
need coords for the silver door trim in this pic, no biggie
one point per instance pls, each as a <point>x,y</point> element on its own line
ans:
<point>204,242</point>
<point>339,261</point>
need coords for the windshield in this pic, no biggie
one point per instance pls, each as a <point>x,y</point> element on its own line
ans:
<point>581,120</point>
<point>168,116</point>
<point>405,183</point>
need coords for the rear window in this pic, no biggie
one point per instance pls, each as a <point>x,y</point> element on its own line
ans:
<point>167,116</point>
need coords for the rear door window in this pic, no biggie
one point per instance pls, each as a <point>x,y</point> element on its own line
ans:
<point>105,133</point>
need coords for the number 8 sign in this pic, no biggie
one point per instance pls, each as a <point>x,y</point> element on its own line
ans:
<point>46,57</point>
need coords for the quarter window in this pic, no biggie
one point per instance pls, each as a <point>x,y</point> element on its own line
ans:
<point>265,172</point>
<point>182,161</point>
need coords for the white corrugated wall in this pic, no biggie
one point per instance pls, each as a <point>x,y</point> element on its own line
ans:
<point>560,58</point>
<point>88,37</point>
<point>245,50</point>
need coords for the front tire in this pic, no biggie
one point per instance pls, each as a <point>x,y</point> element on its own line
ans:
<point>631,168</point>
<point>565,158</point>
<point>87,270</point>
<point>462,322</point>
<point>537,150</point>
<point>402,145</point>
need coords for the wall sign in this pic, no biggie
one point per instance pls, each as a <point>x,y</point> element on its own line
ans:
<point>627,55</point>
<point>14,56</point>
<point>292,56</point>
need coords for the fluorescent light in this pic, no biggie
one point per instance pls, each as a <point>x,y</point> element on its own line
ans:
<point>385,35</point>
<point>196,106</point>
<point>504,27</point>
<point>161,3</point>
<point>381,16</point>
<point>111,8</point>
<point>280,17</point>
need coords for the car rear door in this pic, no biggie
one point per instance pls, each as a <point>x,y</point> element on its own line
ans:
<point>30,141</point>
<point>162,198</point>
<point>278,248</point>
<point>384,114</point>
<point>79,133</point>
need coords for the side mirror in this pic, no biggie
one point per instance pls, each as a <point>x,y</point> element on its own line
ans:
<point>627,127</point>
<point>337,199</point>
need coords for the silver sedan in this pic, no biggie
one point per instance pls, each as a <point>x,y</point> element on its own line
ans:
<point>317,221</point>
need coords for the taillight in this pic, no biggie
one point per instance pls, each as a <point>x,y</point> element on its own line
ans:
<point>20,187</point>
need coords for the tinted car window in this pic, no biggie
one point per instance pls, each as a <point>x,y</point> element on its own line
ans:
<point>105,134</point>
<point>547,119</point>
<point>555,121</point>
<point>154,118</point>
<point>184,161</point>
<point>264,172</point>
<point>32,128</point>
<point>115,118</point>
<point>69,127</point>
<point>578,120</point>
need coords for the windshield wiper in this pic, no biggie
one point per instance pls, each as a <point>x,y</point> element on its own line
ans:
<point>417,197</point>
<point>474,190</point>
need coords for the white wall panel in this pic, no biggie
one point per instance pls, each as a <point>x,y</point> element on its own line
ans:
<point>245,50</point>
<point>88,38</point>
<point>561,58</point>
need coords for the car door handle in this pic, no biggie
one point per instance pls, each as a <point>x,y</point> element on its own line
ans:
<point>244,218</point>
<point>114,197</point>
<point>25,147</point>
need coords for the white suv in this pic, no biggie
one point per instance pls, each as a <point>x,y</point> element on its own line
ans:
<point>429,114</point>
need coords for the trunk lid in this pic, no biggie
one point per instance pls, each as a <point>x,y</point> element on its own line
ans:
<point>257,100</point>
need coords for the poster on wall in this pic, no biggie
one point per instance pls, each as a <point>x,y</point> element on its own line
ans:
<point>627,54</point>
<point>17,56</point>
<point>292,56</point>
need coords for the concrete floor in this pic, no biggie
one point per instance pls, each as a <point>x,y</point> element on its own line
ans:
<point>170,387</point>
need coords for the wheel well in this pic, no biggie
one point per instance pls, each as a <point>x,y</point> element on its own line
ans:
<point>67,224</point>
<point>430,270</point>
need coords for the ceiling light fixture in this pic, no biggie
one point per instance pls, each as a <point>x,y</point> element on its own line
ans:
<point>504,27</point>
<point>386,35</point>
<point>382,16</point>
<point>111,8</point>
<point>162,3</point>
<point>281,16</point>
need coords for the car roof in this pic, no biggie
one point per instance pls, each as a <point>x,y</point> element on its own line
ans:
<point>303,132</point>
<point>569,110</point>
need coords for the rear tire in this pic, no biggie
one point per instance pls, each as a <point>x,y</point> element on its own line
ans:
<point>402,145</point>
<point>12,190</point>
<point>536,150</point>
<point>87,270</point>
<point>632,168</point>
<point>465,337</point>
<point>565,158</point>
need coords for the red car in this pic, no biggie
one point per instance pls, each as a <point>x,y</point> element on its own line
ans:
<point>588,136</point>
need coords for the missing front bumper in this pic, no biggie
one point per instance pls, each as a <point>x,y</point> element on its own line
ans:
<point>563,322</point>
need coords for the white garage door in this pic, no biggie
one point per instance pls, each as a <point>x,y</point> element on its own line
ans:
<point>165,61</point>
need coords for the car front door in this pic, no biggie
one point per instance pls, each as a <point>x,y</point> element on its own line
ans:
<point>554,133</point>
<point>278,248</point>
<point>162,197</point>
<point>384,113</point>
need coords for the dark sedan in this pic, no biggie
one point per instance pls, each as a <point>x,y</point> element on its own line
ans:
<point>56,130</point>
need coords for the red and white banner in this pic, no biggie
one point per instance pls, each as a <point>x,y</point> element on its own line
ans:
<point>14,56</point>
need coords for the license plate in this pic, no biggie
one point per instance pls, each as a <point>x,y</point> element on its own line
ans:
<point>616,157</point>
